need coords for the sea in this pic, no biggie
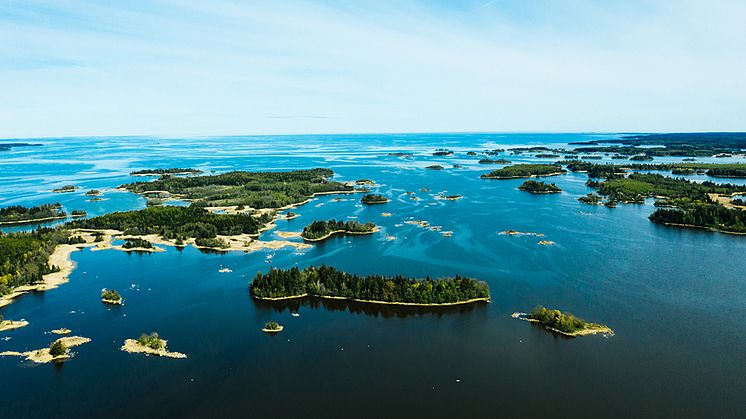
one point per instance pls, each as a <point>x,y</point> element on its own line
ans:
<point>675,297</point>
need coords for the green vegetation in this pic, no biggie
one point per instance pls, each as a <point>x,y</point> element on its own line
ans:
<point>674,144</point>
<point>640,185</point>
<point>471,153</point>
<point>272,326</point>
<point>400,154</point>
<point>328,282</point>
<point>18,214</point>
<point>24,256</point>
<point>728,171</point>
<point>371,199</point>
<point>365,182</point>
<point>564,322</point>
<point>494,161</point>
<point>93,192</point>
<point>78,213</point>
<point>133,243</point>
<point>435,167</point>
<point>323,229</point>
<point>546,156</point>
<point>524,170</point>
<point>57,348</point>
<point>110,296</point>
<point>442,152</point>
<point>171,171</point>
<point>172,222</point>
<point>211,242</point>
<point>152,341</point>
<point>253,189</point>
<point>738,201</point>
<point>705,215</point>
<point>66,188</point>
<point>641,157</point>
<point>591,199</point>
<point>533,186</point>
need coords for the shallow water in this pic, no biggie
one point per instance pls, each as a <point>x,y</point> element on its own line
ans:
<point>676,298</point>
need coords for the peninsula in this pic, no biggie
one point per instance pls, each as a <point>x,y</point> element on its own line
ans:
<point>327,282</point>
<point>172,171</point>
<point>17,214</point>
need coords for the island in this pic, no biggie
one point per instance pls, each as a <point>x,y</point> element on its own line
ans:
<point>150,344</point>
<point>111,297</point>
<point>272,327</point>
<point>93,192</point>
<point>401,154</point>
<point>159,172</point>
<point>535,187</point>
<point>435,167</point>
<point>135,243</point>
<point>641,157</point>
<point>11,324</point>
<point>327,282</point>
<point>563,323</point>
<point>59,350</point>
<point>321,230</point>
<point>78,213</point>
<point>65,189</point>
<point>524,170</point>
<point>257,190</point>
<point>17,214</point>
<point>494,161</point>
<point>372,199</point>
<point>441,152</point>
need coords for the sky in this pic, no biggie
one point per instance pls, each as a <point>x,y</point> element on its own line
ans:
<point>199,68</point>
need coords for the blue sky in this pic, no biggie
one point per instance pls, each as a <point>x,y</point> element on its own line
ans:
<point>188,67</point>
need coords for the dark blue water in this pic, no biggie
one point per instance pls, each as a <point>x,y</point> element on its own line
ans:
<point>676,298</point>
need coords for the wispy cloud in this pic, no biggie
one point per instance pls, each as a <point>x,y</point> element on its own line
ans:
<point>226,67</point>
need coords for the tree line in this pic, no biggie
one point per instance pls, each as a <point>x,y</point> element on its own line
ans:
<point>327,281</point>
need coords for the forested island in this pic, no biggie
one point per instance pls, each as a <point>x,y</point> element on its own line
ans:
<point>133,243</point>
<point>17,214</point>
<point>494,161</point>
<point>524,170</point>
<point>372,199</point>
<point>251,189</point>
<point>171,171</point>
<point>535,187</point>
<point>435,167</point>
<point>328,282</point>
<point>564,323</point>
<point>322,230</point>
<point>703,215</point>
<point>172,222</point>
<point>111,297</point>
<point>65,189</point>
<point>272,327</point>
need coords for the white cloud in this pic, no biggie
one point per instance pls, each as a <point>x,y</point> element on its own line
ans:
<point>198,68</point>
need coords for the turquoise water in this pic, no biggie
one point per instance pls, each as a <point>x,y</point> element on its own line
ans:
<point>676,298</point>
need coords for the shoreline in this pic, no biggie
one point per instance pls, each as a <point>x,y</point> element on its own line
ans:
<point>131,346</point>
<point>61,257</point>
<point>398,303</point>
<point>12,324</point>
<point>594,328</point>
<point>711,229</point>
<point>42,356</point>
<point>522,177</point>
<point>341,232</point>
<point>34,221</point>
